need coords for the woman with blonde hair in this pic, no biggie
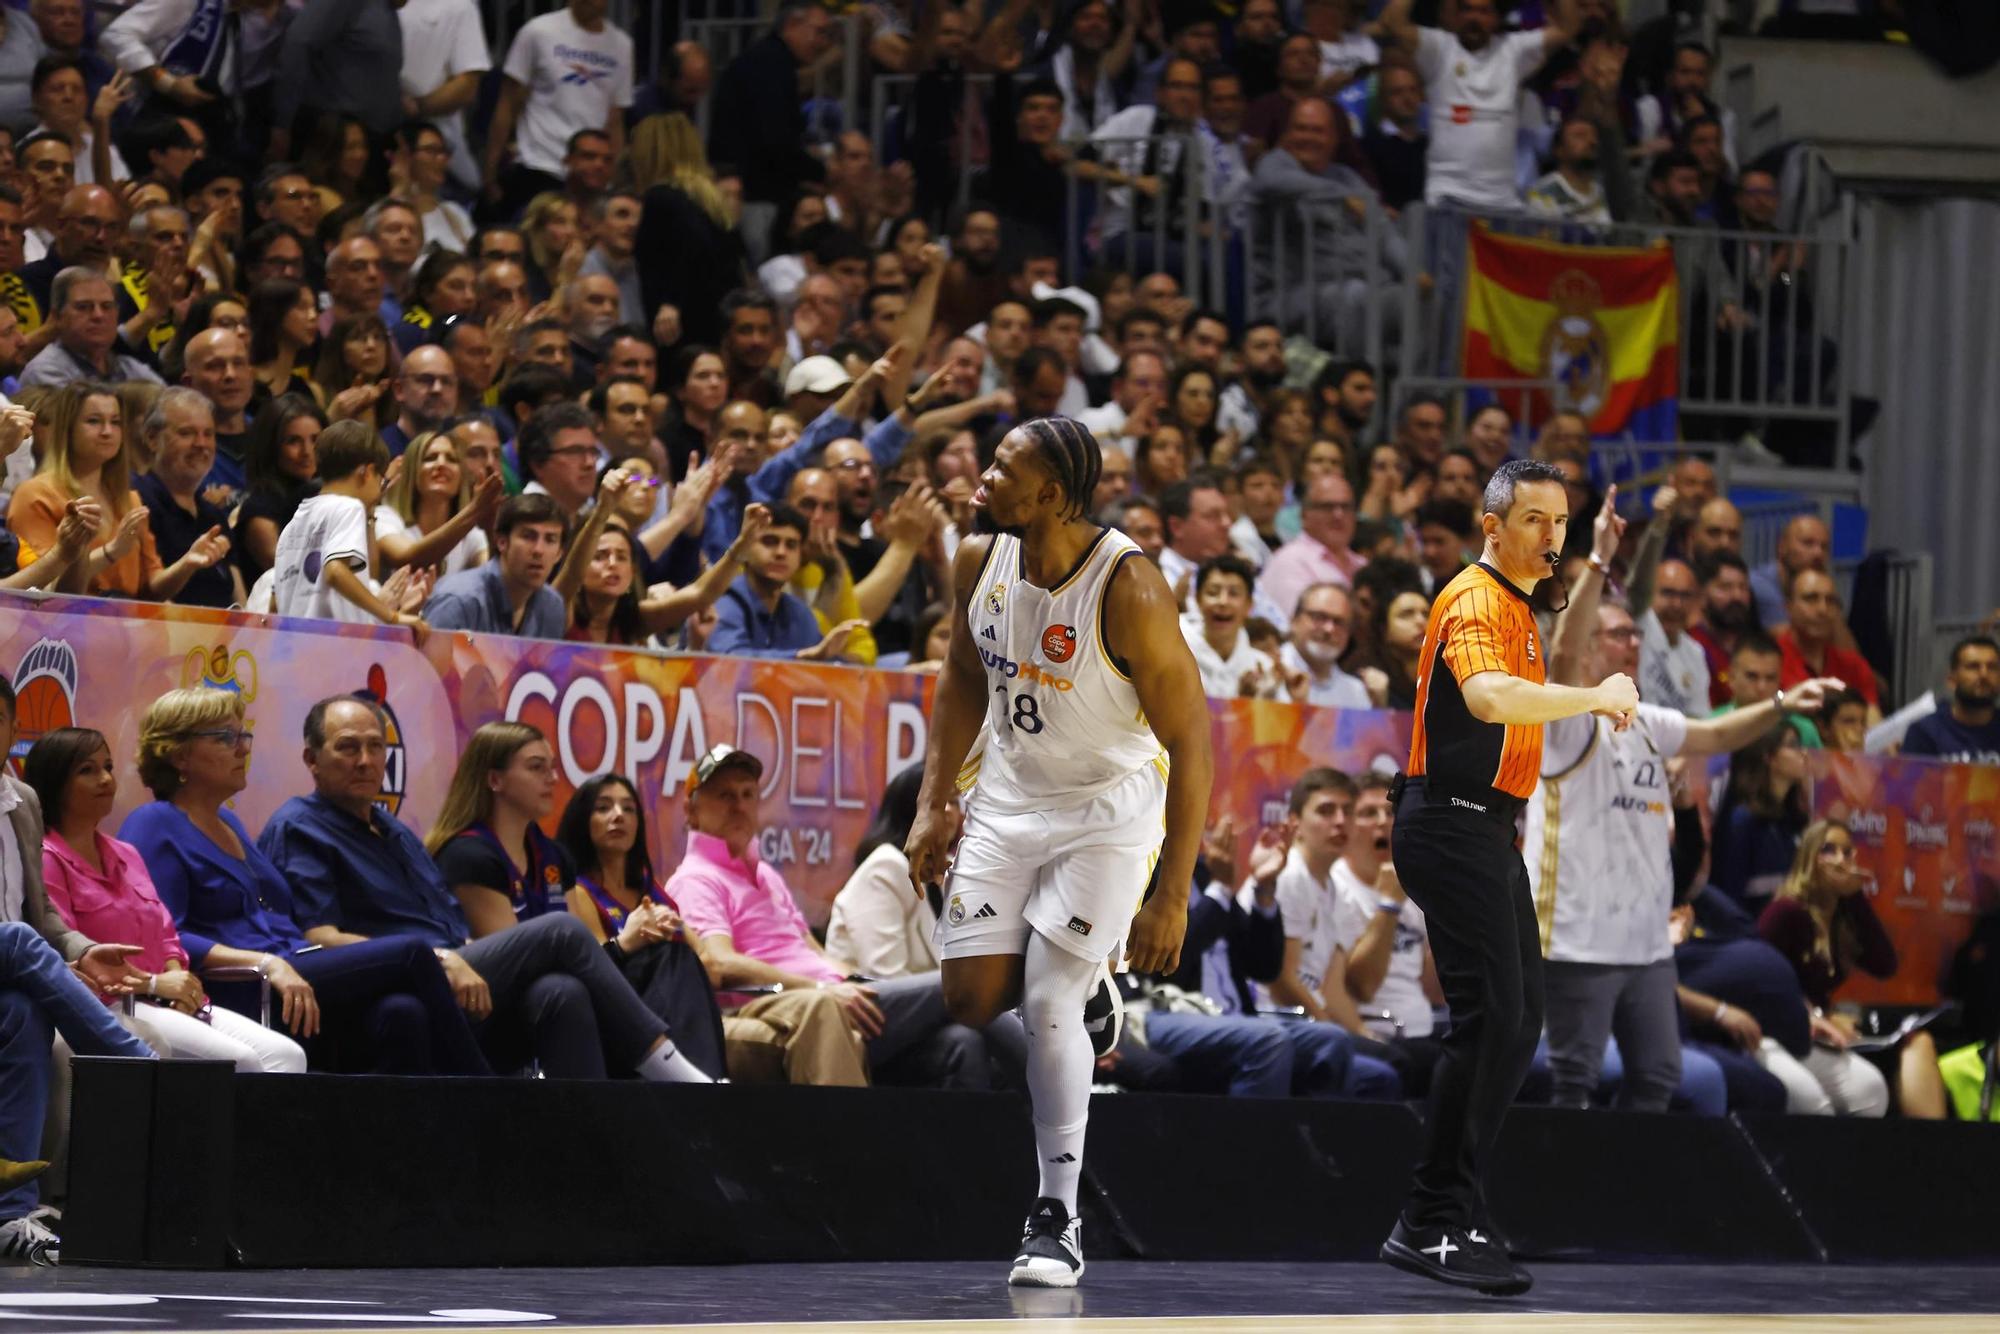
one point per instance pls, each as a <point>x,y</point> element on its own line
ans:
<point>374,1005</point>
<point>556,247</point>
<point>1821,921</point>
<point>689,252</point>
<point>504,870</point>
<point>87,458</point>
<point>432,514</point>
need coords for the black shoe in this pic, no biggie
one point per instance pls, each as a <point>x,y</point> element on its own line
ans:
<point>1051,1248</point>
<point>1104,1013</point>
<point>1452,1255</point>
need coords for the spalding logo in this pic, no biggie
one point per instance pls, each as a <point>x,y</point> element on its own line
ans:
<point>1059,642</point>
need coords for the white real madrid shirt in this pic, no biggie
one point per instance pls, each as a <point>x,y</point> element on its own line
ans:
<point>1475,101</point>
<point>1599,838</point>
<point>1063,721</point>
<point>1674,676</point>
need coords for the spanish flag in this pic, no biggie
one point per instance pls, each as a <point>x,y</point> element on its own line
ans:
<point>1601,321</point>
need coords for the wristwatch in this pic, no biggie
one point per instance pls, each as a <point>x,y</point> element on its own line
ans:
<point>1385,905</point>
<point>1778,701</point>
<point>1597,564</point>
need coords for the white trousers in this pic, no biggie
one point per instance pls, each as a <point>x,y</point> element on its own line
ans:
<point>1827,1082</point>
<point>228,1036</point>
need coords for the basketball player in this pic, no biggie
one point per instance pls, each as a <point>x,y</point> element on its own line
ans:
<point>1066,647</point>
<point>1475,754</point>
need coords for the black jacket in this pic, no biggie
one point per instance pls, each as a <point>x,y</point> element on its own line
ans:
<point>758,124</point>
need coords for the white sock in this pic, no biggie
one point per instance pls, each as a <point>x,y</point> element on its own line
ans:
<point>1054,986</point>
<point>664,1064</point>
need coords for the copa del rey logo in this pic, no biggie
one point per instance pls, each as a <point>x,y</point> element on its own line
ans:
<point>1059,643</point>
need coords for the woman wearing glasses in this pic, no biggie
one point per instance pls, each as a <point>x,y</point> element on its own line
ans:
<point>101,887</point>
<point>377,1005</point>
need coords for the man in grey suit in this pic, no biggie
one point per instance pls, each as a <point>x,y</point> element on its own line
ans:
<point>50,981</point>
<point>1313,212</point>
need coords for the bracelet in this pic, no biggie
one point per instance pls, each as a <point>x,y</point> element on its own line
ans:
<point>1388,906</point>
<point>264,965</point>
<point>1720,1010</point>
<point>153,985</point>
<point>1597,564</point>
<point>1778,701</point>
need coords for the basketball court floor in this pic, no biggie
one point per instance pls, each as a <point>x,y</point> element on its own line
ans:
<point>913,1298</point>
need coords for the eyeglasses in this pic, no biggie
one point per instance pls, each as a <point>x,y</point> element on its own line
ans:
<point>232,737</point>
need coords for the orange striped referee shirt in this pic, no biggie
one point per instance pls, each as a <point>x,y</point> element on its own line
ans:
<point>1479,623</point>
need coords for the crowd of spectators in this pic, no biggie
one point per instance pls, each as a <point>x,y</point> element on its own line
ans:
<point>512,350</point>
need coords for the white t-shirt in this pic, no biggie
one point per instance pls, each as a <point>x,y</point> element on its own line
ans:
<point>575,79</point>
<point>442,39</point>
<point>1335,690</point>
<point>1402,989</point>
<point>1222,678</point>
<point>324,530</point>
<point>471,550</point>
<point>1350,53</point>
<point>1673,676</point>
<point>1475,102</point>
<point>1308,908</point>
<point>1602,817</point>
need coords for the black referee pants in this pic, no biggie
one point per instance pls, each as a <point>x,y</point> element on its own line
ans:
<point>1461,867</point>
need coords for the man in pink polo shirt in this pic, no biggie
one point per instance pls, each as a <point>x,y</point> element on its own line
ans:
<point>749,932</point>
<point>1323,553</point>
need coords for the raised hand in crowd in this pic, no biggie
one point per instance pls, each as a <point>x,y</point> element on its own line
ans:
<point>1218,848</point>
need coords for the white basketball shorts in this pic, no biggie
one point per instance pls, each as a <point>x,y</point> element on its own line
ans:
<point>1074,874</point>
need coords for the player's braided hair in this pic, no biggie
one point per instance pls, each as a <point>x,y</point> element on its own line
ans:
<point>1072,455</point>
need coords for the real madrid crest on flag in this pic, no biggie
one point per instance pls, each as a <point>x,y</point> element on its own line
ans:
<point>1602,322</point>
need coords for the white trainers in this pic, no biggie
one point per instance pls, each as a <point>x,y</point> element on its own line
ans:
<point>1104,1013</point>
<point>27,1239</point>
<point>1051,1248</point>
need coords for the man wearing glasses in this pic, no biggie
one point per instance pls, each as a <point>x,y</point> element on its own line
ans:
<point>426,396</point>
<point>1599,849</point>
<point>1323,552</point>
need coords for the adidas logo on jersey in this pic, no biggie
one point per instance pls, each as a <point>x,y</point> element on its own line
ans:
<point>985,910</point>
<point>1063,1158</point>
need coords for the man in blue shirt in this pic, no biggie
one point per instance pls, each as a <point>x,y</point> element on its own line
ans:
<point>1965,730</point>
<point>771,480</point>
<point>510,594</point>
<point>757,618</point>
<point>541,989</point>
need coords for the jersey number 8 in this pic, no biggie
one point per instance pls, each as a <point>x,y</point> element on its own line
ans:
<point>1026,716</point>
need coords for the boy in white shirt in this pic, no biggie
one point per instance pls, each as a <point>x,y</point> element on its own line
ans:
<point>1230,667</point>
<point>1388,955</point>
<point>326,551</point>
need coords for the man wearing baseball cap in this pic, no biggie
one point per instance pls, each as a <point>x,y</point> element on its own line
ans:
<point>745,922</point>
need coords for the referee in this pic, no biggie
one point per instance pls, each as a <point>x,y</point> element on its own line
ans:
<point>1475,755</point>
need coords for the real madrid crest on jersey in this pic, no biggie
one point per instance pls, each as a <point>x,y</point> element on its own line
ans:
<point>996,599</point>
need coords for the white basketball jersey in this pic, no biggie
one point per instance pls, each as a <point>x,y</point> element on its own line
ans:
<point>1599,838</point>
<point>1063,723</point>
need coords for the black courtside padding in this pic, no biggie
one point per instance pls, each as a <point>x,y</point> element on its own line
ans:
<point>337,1170</point>
<point>1295,1179</point>
<point>1574,1184</point>
<point>1889,1190</point>
<point>150,1155</point>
